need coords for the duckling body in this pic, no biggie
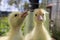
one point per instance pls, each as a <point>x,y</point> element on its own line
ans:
<point>39,31</point>
<point>15,20</point>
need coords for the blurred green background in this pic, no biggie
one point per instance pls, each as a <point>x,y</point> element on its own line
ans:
<point>4,26</point>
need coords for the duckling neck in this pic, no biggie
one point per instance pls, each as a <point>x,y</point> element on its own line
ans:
<point>15,29</point>
<point>15,34</point>
<point>40,33</point>
<point>38,26</point>
<point>38,29</point>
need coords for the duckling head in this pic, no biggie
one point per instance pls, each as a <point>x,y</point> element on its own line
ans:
<point>39,15</point>
<point>16,18</point>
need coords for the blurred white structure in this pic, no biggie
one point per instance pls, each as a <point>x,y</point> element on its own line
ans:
<point>54,9</point>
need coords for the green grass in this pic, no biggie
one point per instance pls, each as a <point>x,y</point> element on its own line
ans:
<point>4,27</point>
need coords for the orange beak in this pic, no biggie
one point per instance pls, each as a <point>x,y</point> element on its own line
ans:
<point>40,18</point>
<point>24,14</point>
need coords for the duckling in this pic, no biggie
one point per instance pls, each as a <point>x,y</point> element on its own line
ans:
<point>39,31</point>
<point>15,20</point>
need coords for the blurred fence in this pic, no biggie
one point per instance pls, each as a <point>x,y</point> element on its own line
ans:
<point>53,7</point>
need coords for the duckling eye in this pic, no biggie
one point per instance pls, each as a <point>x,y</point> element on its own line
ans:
<point>15,15</point>
<point>35,14</point>
<point>43,14</point>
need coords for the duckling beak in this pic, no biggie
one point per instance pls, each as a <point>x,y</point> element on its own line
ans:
<point>24,14</point>
<point>40,18</point>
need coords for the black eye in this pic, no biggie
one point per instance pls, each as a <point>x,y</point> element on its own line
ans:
<point>43,14</point>
<point>15,15</point>
<point>35,14</point>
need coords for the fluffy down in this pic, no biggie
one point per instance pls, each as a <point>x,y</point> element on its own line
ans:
<point>39,31</point>
<point>15,20</point>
